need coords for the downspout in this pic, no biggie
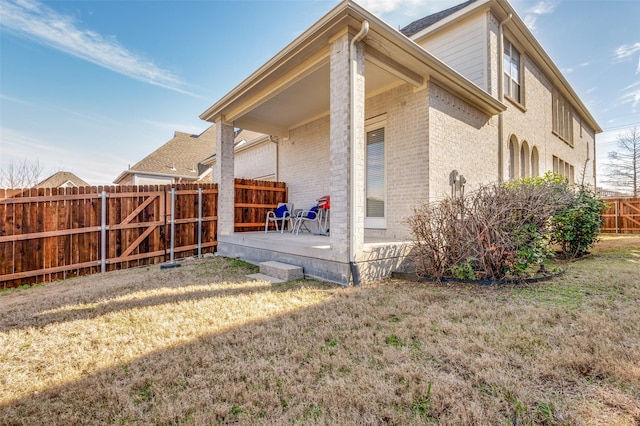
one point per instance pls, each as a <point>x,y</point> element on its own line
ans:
<point>276,141</point>
<point>364,30</point>
<point>501,96</point>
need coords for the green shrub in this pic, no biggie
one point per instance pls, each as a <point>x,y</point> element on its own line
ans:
<point>464,270</point>
<point>533,248</point>
<point>575,227</point>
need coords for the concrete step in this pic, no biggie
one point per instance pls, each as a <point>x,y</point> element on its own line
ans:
<point>264,277</point>
<point>281,271</point>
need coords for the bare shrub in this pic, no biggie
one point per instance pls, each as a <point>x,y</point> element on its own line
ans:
<point>495,232</point>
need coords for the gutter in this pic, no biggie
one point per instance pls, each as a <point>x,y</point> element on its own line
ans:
<point>364,30</point>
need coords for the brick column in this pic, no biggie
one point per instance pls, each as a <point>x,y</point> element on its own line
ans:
<point>359,151</point>
<point>224,177</point>
<point>342,205</point>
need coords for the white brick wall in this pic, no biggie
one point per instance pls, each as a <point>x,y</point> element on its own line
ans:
<point>406,154</point>
<point>460,138</point>
<point>531,122</point>
<point>256,162</point>
<point>534,124</point>
<point>304,163</point>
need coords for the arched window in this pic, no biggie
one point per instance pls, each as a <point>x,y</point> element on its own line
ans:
<point>524,160</point>
<point>513,157</point>
<point>535,163</point>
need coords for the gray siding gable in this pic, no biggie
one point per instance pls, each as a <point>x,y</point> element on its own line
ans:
<point>427,21</point>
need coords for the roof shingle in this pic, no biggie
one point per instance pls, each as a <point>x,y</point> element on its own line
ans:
<point>180,156</point>
<point>427,21</point>
<point>58,179</point>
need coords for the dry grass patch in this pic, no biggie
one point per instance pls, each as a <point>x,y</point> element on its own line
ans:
<point>202,345</point>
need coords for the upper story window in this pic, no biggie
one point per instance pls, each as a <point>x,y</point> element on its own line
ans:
<point>562,118</point>
<point>512,79</point>
<point>562,168</point>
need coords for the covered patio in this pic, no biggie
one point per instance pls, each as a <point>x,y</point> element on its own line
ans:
<point>314,254</point>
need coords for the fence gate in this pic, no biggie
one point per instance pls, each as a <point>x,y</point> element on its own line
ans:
<point>623,215</point>
<point>136,228</point>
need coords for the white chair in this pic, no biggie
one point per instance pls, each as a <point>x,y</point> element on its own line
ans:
<point>282,213</point>
<point>302,217</point>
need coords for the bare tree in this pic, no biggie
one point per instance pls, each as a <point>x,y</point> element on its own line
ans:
<point>624,163</point>
<point>23,174</point>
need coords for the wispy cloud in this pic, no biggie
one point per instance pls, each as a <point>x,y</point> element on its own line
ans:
<point>170,128</point>
<point>543,7</point>
<point>14,100</point>
<point>38,22</point>
<point>631,94</point>
<point>386,6</point>
<point>572,69</point>
<point>404,11</point>
<point>627,51</point>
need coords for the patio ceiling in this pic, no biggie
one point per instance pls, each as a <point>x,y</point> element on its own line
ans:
<point>306,100</point>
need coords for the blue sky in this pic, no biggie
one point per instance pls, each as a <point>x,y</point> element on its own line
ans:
<point>93,86</point>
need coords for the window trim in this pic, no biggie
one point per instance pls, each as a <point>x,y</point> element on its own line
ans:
<point>562,118</point>
<point>507,76</point>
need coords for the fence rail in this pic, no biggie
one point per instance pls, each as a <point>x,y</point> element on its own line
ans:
<point>56,233</point>
<point>622,216</point>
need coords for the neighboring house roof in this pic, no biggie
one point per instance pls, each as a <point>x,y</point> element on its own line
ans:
<point>181,157</point>
<point>62,180</point>
<point>427,21</point>
<point>244,139</point>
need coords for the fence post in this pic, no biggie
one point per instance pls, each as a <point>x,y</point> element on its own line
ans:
<point>172,263</point>
<point>617,201</point>
<point>103,234</point>
<point>200,223</point>
<point>173,224</point>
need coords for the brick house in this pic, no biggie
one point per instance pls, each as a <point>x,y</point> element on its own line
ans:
<point>381,119</point>
<point>188,158</point>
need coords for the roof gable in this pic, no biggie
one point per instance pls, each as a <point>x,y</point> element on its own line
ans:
<point>427,21</point>
<point>62,179</point>
<point>180,156</point>
<point>515,26</point>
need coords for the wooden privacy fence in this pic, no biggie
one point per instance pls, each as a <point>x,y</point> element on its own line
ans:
<point>253,200</point>
<point>55,233</point>
<point>623,215</point>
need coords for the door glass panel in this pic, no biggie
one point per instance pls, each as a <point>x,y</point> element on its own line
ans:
<point>375,174</point>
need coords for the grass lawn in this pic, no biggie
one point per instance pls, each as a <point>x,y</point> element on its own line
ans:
<point>201,344</point>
